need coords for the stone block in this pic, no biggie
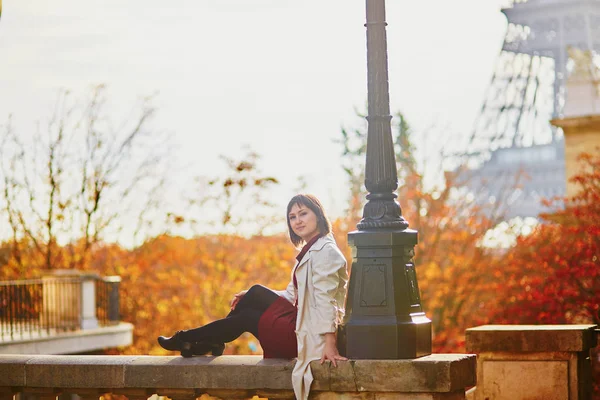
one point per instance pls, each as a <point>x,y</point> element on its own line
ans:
<point>434,373</point>
<point>231,372</point>
<point>386,396</point>
<point>275,394</point>
<point>321,375</point>
<point>342,378</point>
<point>509,380</point>
<point>12,370</point>
<point>531,338</point>
<point>520,362</point>
<point>582,134</point>
<point>432,377</point>
<point>76,371</point>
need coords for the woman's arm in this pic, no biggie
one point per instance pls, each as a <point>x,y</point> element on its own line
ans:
<point>327,279</point>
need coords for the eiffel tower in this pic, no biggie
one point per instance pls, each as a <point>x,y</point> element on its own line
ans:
<point>512,135</point>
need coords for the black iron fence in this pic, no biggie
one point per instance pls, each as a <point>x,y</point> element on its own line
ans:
<point>38,308</point>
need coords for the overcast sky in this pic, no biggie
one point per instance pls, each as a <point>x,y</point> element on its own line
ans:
<point>281,76</point>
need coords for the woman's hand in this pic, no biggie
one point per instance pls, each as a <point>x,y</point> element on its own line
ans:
<point>330,352</point>
<point>236,298</point>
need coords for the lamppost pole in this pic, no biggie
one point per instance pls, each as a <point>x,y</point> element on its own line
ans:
<point>381,177</point>
<point>384,318</point>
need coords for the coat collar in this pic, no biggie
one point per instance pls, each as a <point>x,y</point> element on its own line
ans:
<point>318,245</point>
<point>321,242</point>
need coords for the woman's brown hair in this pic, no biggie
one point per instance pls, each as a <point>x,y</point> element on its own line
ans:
<point>310,201</point>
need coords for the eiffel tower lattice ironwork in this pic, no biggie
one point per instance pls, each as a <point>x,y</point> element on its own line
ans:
<point>512,134</point>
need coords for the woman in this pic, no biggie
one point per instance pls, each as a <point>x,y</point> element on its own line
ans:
<point>300,321</point>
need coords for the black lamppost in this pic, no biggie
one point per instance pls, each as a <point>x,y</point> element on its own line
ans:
<point>384,318</point>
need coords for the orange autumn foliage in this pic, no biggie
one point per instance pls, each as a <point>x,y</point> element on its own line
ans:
<point>454,272</point>
<point>171,283</point>
<point>453,268</point>
<point>552,276</point>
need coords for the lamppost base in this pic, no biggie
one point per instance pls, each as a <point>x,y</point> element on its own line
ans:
<point>385,338</point>
<point>384,317</point>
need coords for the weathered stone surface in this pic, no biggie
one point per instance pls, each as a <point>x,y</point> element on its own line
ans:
<point>12,370</point>
<point>438,373</point>
<point>509,380</point>
<point>509,373</point>
<point>463,372</point>
<point>229,375</point>
<point>76,371</point>
<point>232,372</point>
<point>386,396</point>
<point>530,338</point>
<point>321,375</point>
<point>434,373</point>
<point>343,378</point>
<point>521,362</point>
<point>276,394</point>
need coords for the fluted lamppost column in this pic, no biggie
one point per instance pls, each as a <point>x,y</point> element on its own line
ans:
<point>384,318</point>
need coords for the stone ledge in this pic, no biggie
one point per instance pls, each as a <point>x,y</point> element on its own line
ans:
<point>437,373</point>
<point>80,341</point>
<point>531,338</point>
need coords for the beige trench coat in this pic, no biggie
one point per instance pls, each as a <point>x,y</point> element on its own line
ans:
<point>322,278</point>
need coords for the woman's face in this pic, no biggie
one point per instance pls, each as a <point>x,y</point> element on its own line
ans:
<point>303,222</point>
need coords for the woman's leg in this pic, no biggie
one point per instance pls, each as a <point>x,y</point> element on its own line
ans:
<point>258,298</point>
<point>244,318</point>
<point>224,330</point>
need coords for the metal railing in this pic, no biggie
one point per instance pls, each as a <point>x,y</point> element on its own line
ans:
<point>55,304</point>
<point>107,300</point>
<point>20,307</point>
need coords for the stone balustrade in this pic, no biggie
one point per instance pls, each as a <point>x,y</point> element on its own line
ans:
<point>522,362</point>
<point>434,377</point>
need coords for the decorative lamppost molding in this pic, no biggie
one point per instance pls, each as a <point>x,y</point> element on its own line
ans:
<point>384,318</point>
<point>381,176</point>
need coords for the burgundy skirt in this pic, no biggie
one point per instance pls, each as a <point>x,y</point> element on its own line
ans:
<point>277,330</point>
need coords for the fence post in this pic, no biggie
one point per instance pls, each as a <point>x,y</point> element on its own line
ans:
<point>61,300</point>
<point>113,309</point>
<point>88,301</point>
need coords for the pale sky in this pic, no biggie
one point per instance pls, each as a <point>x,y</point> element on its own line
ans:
<point>279,75</point>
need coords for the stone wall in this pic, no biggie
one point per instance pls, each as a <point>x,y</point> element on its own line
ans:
<point>435,377</point>
<point>582,134</point>
<point>521,362</point>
